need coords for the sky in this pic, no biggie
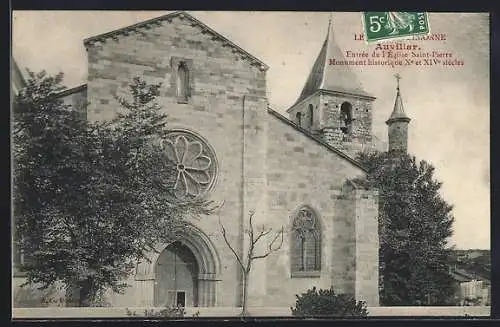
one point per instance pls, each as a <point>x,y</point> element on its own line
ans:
<point>449,106</point>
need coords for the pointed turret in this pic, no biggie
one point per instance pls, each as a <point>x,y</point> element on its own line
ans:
<point>325,75</point>
<point>398,124</point>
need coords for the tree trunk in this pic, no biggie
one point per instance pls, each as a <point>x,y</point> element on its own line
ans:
<point>85,293</point>
<point>244,311</point>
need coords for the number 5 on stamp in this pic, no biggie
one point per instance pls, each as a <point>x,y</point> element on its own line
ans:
<point>389,25</point>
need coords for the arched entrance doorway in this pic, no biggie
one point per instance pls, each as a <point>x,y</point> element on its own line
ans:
<point>176,277</point>
<point>190,264</point>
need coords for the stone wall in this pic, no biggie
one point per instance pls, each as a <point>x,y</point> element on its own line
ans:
<point>361,130</point>
<point>327,123</point>
<point>255,183</point>
<point>300,171</point>
<point>219,81</point>
<point>303,108</point>
<point>30,296</point>
<point>77,98</point>
<point>265,164</point>
<point>398,136</point>
<point>356,243</point>
<point>367,246</point>
<point>344,242</point>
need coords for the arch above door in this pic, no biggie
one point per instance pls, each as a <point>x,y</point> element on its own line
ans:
<point>207,260</point>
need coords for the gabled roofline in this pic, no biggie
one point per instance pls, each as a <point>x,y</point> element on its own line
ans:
<point>359,184</point>
<point>72,90</point>
<point>168,17</point>
<point>17,75</point>
<point>466,275</point>
<point>63,93</point>
<point>354,95</point>
<point>303,100</point>
<point>21,72</point>
<point>316,139</point>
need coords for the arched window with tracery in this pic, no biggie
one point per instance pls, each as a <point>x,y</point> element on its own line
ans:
<point>182,82</point>
<point>306,242</point>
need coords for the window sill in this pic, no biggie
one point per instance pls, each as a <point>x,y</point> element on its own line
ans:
<point>306,274</point>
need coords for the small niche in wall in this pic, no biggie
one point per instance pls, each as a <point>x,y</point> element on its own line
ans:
<point>346,117</point>
<point>311,115</point>
<point>181,82</point>
<point>298,118</point>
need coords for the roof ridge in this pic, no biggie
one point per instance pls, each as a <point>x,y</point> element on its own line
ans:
<point>328,76</point>
<point>325,59</point>
<point>23,73</point>
<point>181,14</point>
<point>320,141</point>
<point>71,90</point>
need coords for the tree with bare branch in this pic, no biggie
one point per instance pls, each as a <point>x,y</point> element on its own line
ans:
<point>245,263</point>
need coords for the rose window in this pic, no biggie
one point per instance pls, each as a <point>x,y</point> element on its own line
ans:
<point>194,162</point>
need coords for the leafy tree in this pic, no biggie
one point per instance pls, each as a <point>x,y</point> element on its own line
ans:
<point>246,263</point>
<point>325,303</point>
<point>415,224</point>
<point>90,199</point>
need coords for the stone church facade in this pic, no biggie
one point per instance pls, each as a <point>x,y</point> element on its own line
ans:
<point>295,172</point>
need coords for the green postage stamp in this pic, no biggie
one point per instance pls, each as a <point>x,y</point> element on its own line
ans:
<point>389,25</point>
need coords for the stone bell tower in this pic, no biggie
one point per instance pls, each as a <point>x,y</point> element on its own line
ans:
<point>333,105</point>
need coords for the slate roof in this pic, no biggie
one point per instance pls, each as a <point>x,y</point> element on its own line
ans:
<point>18,76</point>
<point>336,78</point>
<point>168,18</point>
<point>398,113</point>
<point>72,90</point>
<point>462,275</point>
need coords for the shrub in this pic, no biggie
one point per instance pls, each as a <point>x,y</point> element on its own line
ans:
<point>325,303</point>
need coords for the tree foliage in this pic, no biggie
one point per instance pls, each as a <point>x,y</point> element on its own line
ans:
<point>325,303</point>
<point>91,198</point>
<point>415,223</point>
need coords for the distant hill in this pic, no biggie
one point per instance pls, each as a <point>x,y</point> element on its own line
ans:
<point>473,263</point>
